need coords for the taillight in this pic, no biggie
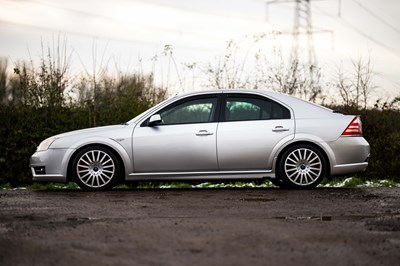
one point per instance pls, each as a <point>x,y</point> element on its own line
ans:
<point>354,129</point>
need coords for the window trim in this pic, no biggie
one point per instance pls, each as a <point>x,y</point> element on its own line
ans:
<point>251,96</point>
<point>216,114</point>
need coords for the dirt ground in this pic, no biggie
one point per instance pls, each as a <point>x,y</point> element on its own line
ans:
<point>201,227</point>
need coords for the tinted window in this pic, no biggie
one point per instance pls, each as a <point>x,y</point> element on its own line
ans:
<point>253,108</point>
<point>192,111</point>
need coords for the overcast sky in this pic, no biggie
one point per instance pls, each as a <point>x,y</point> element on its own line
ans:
<point>199,30</point>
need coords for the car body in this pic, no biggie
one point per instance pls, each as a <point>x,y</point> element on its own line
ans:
<point>210,135</point>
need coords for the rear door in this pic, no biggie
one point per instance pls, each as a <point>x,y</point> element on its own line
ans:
<point>250,127</point>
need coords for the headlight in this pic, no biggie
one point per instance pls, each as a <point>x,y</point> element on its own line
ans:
<point>45,144</point>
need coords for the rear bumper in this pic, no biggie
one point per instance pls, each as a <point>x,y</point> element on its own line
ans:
<point>351,155</point>
<point>344,169</point>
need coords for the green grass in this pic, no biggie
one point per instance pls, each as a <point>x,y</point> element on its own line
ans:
<point>355,181</point>
<point>351,182</point>
<point>42,186</point>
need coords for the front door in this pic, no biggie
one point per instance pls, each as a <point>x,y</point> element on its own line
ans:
<point>185,141</point>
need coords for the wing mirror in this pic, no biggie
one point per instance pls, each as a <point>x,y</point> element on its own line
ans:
<point>155,120</point>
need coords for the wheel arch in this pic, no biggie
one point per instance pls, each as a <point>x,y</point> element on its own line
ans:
<point>109,147</point>
<point>303,142</point>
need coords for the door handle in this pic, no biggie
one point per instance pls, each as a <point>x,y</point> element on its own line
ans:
<point>204,133</point>
<point>280,129</point>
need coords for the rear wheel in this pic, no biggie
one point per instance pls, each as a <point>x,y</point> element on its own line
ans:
<point>302,166</point>
<point>96,168</point>
<point>277,182</point>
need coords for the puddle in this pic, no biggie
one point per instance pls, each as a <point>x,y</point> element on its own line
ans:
<point>258,199</point>
<point>304,218</point>
<point>326,218</point>
<point>385,224</point>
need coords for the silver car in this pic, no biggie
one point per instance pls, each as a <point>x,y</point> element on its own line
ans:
<point>210,135</point>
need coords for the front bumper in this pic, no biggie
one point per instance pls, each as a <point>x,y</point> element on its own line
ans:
<point>50,165</point>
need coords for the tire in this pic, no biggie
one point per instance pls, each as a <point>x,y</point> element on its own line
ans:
<point>277,182</point>
<point>302,166</point>
<point>96,168</point>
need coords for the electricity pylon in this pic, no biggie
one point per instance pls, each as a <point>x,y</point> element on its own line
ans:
<point>303,27</point>
<point>303,30</point>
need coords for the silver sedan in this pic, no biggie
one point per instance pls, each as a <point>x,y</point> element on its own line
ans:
<point>210,135</point>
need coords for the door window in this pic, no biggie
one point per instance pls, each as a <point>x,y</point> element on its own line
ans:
<point>240,108</point>
<point>192,111</point>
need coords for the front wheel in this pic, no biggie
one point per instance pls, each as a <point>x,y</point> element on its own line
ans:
<point>302,166</point>
<point>96,168</point>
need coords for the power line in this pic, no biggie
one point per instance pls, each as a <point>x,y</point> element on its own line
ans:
<point>360,32</point>
<point>348,24</point>
<point>376,16</point>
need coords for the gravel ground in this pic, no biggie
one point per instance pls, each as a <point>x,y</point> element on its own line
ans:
<point>201,227</point>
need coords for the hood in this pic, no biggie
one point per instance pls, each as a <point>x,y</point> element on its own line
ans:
<point>94,131</point>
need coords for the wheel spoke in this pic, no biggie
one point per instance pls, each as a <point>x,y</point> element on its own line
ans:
<point>298,154</point>
<point>102,180</point>
<point>98,157</point>
<point>93,156</point>
<point>292,169</point>
<point>303,157</point>
<point>106,171</point>
<point>315,158</point>
<point>294,155</point>
<point>107,161</point>
<point>83,171</point>
<point>82,160</point>
<point>87,156</point>
<point>309,175</point>
<point>297,177</point>
<point>92,178</point>
<point>85,175</point>
<point>107,177</point>
<point>102,159</point>
<point>293,174</point>
<point>314,173</point>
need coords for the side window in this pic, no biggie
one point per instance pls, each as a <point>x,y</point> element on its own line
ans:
<point>188,112</point>
<point>253,108</point>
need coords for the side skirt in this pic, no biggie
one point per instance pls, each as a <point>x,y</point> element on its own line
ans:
<point>219,175</point>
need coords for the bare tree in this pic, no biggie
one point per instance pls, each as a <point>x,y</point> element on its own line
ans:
<point>43,86</point>
<point>228,72</point>
<point>253,69</point>
<point>355,89</point>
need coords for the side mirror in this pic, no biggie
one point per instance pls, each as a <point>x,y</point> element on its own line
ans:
<point>155,120</point>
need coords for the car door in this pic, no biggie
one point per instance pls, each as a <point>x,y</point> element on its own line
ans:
<point>251,127</point>
<point>185,141</point>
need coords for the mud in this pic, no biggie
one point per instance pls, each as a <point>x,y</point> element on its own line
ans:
<point>201,227</point>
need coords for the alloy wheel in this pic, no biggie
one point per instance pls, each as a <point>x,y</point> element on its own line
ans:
<point>303,167</point>
<point>95,168</point>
